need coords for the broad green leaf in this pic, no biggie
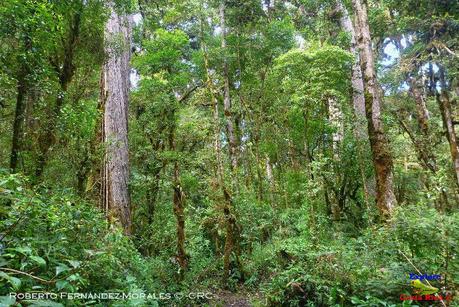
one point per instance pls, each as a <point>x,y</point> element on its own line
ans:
<point>61,284</point>
<point>14,281</point>
<point>6,301</point>
<point>61,268</point>
<point>74,263</point>
<point>3,261</point>
<point>22,249</point>
<point>39,260</point>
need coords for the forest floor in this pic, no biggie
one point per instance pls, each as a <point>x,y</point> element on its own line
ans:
<point>240,299</point>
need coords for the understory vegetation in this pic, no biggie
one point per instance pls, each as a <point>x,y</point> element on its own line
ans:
<point>288,257</point>
<point>229,153</point>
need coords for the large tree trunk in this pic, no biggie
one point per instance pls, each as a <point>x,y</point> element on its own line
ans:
<point>226,95</point>
<point>358,100</point>
<point>382,159</point>
<point>445,109</point>
<point>114,89</point>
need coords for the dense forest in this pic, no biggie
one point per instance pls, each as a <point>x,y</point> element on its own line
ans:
<point>229,153</point>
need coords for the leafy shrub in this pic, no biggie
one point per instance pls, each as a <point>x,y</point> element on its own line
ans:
<point>371,269</point>
<point>54,242</point>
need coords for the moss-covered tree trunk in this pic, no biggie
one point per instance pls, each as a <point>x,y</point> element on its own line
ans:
<point>226,95</point>
<point>382,159</point>
<point>360,124</point>
<point>446,114</point>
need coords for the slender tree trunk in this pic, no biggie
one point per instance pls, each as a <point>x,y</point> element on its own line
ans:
<point>260,188</point>
<point>419,98</point>
<point>292,152</point>
<point>19,117</point>
<point>270,176</point>
<point>230,221</point>
<point>445,110</point>
<point>269,172</point>
<point>226,95</point>
<point>115,87</point>
<point>423,146</point>
<point>335,116</point>
<point>382,159</point>
<point>179,204</point>
<point>20,112</point>
<point>358,99</point>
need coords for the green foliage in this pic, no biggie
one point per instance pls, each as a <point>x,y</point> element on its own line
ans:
<point>58,243</point>
<point>285,64</point>
<point>369,270</point>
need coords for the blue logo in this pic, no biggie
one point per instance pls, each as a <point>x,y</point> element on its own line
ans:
<point>425,277</point>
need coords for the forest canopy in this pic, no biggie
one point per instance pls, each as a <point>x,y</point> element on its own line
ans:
<point>229,153</point>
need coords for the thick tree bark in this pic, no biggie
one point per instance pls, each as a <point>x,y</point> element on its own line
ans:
<point>446,114</point>
<point>226,95</point>
<point>382,159</point>
<point>114,88</point>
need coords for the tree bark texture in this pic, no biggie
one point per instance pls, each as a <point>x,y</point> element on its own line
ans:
<point>19,116</point>
<point>446,114</point>
<point>179,204</point>
<point>382,159</point>
<point>360,129</point>
<point>226,95</point>
<point>114,88</point>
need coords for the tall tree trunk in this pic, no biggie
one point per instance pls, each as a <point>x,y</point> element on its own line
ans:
<point>416,89</point>
<point>226,95</point>
<point>115,87</point>
<point>425,144</point>
<point>19,116</point>
<point>335,116</point>
<point>358,100</point>
<point>230,221</point>
<point>20,112</point>
<point>269,172</point>
<point>445,109</point>
<point>179,202</point>
<point>382,159</point>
